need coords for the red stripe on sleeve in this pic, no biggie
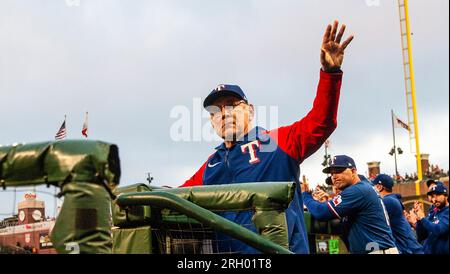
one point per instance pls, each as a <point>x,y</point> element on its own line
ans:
<point>197,178</point>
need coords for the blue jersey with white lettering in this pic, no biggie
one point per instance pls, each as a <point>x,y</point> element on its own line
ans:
<point>363,216</point>
<point>435,229</point>
<point>403,234</point>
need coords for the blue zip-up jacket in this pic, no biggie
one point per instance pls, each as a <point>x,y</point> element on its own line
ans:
<point>275,156</point>
<point>362,212</point>
<point>403,234</point>
<point>435,229</point>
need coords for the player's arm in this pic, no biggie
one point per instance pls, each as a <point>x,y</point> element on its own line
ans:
<point>440,228</point>
<point>197,178</point>
<point>348,202</point>
<point>318,210</point>
<point>304,137</point>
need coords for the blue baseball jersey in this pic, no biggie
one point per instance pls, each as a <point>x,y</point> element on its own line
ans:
<point>363,216</point>
<point>274,156</point>
<point>435,229</point>
<point>403,234</point>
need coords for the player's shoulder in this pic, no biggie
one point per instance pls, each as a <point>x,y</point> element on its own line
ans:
<point>444,211</point>
<point>353,190</point>
<point>389,199</point>
<point>365,187</point>
<point>392,201</point>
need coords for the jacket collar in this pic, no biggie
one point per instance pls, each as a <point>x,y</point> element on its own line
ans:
<point>256,133</point>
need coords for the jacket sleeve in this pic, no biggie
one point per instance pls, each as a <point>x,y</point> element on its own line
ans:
<point>439,229</point>
<point>320,211</point>
<point>306,136</point>
<point>422,233</point>
<point>197,178</point>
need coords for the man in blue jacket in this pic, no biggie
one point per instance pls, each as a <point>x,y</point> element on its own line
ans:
<point>358,206</point>
<point>404,237</point>
<point>254,154</point>
<point>434,227</point>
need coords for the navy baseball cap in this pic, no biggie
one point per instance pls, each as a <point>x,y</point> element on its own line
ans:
<point>429,182</point>
<point>384,180</point>
<point>438,189</point>
<point>339,162</point>
<point>224,90</point>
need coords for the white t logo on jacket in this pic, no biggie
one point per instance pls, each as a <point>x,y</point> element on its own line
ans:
<point>253,158</point>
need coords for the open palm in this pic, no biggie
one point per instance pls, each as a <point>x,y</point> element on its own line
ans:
<point>332,51</point>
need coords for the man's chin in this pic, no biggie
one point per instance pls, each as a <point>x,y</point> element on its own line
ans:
<point>229,137</point>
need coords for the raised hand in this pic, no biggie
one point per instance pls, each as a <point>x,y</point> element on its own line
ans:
<point>304,187</point>
<point>411,217</point>
<point>332,51</point>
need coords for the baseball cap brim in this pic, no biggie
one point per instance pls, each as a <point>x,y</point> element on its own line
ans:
<point>213,96</point>
<point>436,192</point>
<point>331,168</point>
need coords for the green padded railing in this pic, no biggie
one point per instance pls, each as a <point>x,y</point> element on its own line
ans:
<point>164,199</point>
<point>86,172</point>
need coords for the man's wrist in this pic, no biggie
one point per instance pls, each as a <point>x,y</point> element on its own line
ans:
<point>332,70</point>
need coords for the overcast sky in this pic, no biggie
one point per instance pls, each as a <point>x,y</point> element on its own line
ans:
<point>129,63</point>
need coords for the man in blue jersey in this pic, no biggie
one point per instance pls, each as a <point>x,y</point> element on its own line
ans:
<point>404,237</point>
<point>434,227</point>
<point>252,154</point>
<point>358,206</point>
<point>430,184</point>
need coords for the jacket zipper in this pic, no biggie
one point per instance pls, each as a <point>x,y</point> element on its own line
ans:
<point>228,165</point>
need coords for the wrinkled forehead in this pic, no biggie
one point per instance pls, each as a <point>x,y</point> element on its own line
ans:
<point>226,100</point>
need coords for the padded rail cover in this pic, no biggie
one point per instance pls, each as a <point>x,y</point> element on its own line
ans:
<point>268,200</point>
<point>55,162</point>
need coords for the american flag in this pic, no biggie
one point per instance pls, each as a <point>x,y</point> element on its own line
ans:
<point>400,123</point>
<point>84,131</point>
<point>62,132</point>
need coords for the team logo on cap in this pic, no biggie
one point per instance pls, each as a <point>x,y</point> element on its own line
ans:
<point>334,160</point>
<point>220,87</point>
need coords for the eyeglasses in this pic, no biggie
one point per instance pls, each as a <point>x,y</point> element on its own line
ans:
<point>217,109</point>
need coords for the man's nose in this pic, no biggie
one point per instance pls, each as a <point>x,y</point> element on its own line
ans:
<point>226,109</point>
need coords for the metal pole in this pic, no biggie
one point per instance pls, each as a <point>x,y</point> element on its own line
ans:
<point>395,147</point>
<point>413,95</point>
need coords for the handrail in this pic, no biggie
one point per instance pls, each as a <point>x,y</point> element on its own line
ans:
<point>171,201</point>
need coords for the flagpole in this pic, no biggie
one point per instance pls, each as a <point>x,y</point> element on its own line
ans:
<point>395,147</point>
